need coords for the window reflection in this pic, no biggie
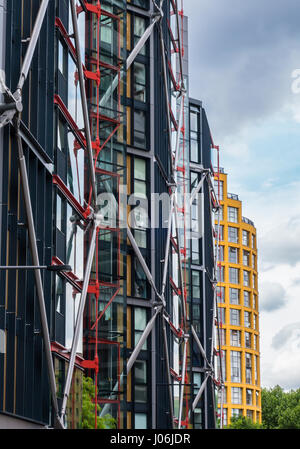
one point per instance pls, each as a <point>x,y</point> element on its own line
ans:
<point>75,243</point>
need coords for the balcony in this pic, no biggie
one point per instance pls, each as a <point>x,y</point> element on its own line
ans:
<point>232,196</point>
<point>246,220</point>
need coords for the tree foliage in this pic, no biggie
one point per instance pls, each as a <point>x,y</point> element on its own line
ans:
<point>280,410</point>
<point>241,422</point>
<point>88,409</point>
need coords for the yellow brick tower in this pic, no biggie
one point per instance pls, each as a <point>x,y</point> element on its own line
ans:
<point>238,309</point>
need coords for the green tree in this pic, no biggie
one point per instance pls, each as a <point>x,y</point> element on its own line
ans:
<point>88,409</point>
<point>280,410</point>
<point>272,401</point>
<point>241,422</point>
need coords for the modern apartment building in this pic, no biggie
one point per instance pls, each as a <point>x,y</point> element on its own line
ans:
<point>238,308</point>
<point>106,121</point>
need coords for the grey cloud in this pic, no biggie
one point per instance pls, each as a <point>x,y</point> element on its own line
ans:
<point>241,57</point>
<point>272,296</point>
<point>282,244</point>
<point>288,334</point>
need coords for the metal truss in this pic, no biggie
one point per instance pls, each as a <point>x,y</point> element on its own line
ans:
<point>181,332</point>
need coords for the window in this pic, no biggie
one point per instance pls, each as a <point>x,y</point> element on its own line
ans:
<point>253,241</point>
<point>245,238</point>
<point>140,289</point>
<point>221,294</point>
<point>194,151</point>
<point>233,275</point>
<point>250,415</point>
<point>248,396</point>
<point>236,395</point>
<point>194,135</point>
<point>254,302</point>
<point>59,292</point>
<point>255,374</point>
<point>197,383</point>
<point>254,262</point>
<point>235,337</point>
<point>140,322</point>
<point>247,340</point>
<point>61,135</point>
<point>247,319</point>
<point>233,254</point>
<point>255,342</point>
<point>246,258</point>
<point>195,251</point>
<point>246,275</point>
<point>246,299</point>
<point>235,317</point>
<point>221,232</point>
<point>139,130</point>
<point>196,284</point>
<point>235,412</point>
<point>254,321</point>
<point>140,421</point>
<point>60,213</point>
<point>224,390</point>
<point>139,27</point>
<point>221,336</point>
<point>248,360</point>
<point>233,234</point>
<point>140,381</point>
<point>221,315</point>
<point>139,82</point>
<point>141,3</point>
<point>221,273</point>
<point>235,366</point>
<point>140,212</point>
<point>233,214</point>
<point>62,59</point>
<point>234,296</point>
<point>224,416</point>
<point>75,244</point>
<point>220,213</point>
<point>221,253</point>
<point>223,362</point>
<point>216,186</point>
<point>254,281</point>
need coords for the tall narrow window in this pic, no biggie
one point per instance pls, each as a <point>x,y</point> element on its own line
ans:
<point>233,275</point>
<point>139,27</point>
<point>246,275</point>
<point>196,284</point>
<point>235,337</point>
<point>245,238</point>
<point>247,319</point>
<point>234,296</point>
<point>246,299</point>
<point>236,395</point>
<point>140,322</point>
<point>246,258</point>
<point>139,130</point>
<point>233,214</point>
<point>233,254</point>
<point>140,381</point>
<point>235,366</point>
<point>139,81</point>
<point>235,317</point>
<point>233,234</point>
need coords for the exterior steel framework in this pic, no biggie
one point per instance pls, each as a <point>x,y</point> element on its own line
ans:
<point>173,316</point>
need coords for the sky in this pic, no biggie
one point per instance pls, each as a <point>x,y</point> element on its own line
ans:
<point>243,57</point>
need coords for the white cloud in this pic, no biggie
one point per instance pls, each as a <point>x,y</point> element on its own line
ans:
<point>272,296</point>
<point>242,56</point>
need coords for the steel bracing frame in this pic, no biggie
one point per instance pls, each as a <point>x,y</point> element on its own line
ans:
<point>174,265</point>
